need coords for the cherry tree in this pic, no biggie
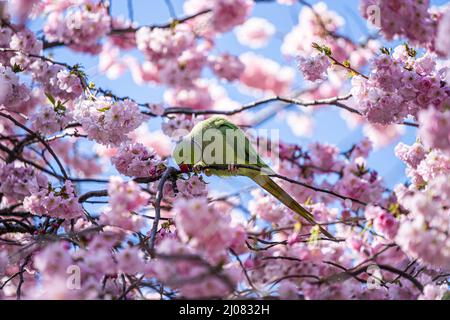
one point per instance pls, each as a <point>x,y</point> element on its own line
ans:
<point>94,207</point>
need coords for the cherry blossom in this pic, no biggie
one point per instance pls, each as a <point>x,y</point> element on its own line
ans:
<point>108,121</point>
<point>125,198</point>
<point>255,32</point>
<point>265,75</point>
<point>135,160</point>
<point>48,120</point>
<point>392,83</point>
<point>314,68</point>
<point>18,182</point>
<point>81,27</point>
<point>442,42</point>
<point>12,91</point>
<point>227,66</point>
<point>57,202</point>
<point>435,128</point>
<point>411,19</point>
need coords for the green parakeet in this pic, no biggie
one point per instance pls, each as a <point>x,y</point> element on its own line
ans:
<point>216,145</point>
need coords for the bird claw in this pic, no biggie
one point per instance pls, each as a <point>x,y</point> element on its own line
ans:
<point>198,168</point>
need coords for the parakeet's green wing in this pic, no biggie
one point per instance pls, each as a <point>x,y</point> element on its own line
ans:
<point>243,151</point>
<point>262,178</point>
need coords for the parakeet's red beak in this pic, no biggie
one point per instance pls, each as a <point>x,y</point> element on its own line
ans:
<point>185,168</point>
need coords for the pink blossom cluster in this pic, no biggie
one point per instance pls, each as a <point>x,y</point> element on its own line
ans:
<point>125,199</point>
<point>177,60</point>
<point>49,120</point>
<point>435,164</point>
<point>126,40</point>
<point>21,9</point>
<point>406,18</point>
<point>225,14</point>
<point>182,72</point>
<point>296,267</point>
<point>24,55</point>
<point>311,26</point>
<point>96,263</point>
<point>12,91</point>
<point>178,126</point>
<point>79,27</point>
<point>58,203</point>
<point>411,155</point>
<point>399,86</point>
<point>326,156</point>
<point>57,80</point>
<point>263,74</point>
<point>199,96</point>
<point>255,32</point>
<point>47,6</point>
<point>435,128</point>
<point>25,45</point>
<point>175,57</point>
<point>69,83</point>
<point>422,165</point>
<point>20,44</point>
<point>320,164</point>
<point>442,39</point>
<point>160,44</point>
<point>194,187</point>
<point>135,160</point>
<point>107,121</point>
<point>268,208</point>
<point>18,182</point>
<point>301,258</point>
<point>187,253</point>
<point>176,272</point>
<point>204,227</point>
<point>314,68</point>
<point>171,50</point>
<point>358,182</point>
<point>228,243</point>
<point>383,222</point>
<point>226,66</point>
<point>424,232</point>
<point>5,39</point>
<point>434,292</point>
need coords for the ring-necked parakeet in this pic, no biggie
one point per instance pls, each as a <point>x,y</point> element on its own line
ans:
<point>217,145</point>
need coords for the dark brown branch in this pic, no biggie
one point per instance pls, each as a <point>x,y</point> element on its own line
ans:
<point>255,104</point>
<point>167,25</point>
<point>92,194</point>
<point>159,196</point>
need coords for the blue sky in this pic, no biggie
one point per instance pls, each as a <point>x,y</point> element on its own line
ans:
<point>329,126</point>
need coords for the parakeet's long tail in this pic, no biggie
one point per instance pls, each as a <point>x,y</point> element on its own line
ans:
<point>274,189</point>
